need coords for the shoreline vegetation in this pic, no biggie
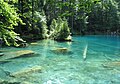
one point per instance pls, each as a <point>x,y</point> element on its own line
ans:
<point>25,21</point>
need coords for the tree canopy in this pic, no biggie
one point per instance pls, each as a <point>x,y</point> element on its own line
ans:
<point>37,19</point>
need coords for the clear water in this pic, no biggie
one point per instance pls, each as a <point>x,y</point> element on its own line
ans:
<point>99,63</point>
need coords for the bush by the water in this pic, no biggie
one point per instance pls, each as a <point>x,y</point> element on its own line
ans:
<point>59,30</point>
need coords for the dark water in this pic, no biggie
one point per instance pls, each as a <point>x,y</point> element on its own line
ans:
<point>86,60</point>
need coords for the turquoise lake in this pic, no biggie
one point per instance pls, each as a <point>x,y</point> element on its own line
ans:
<point>87,60</point>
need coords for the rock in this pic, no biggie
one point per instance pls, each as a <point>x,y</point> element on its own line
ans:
<point>9,82</point>
<point>26,82</point>
<point>33,43</point>
<point>1,54</point>
<point>22,53</point>
<point>69,38</point>
<point>111,65</point>
<point>17,54</point>
<point>61,51</point>
<point>26,71</point>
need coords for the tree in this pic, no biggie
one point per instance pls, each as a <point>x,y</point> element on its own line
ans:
<point>104,17</point>
<point>59,30</point>
<point>8,19</point>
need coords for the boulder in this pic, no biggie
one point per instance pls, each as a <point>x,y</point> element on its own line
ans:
<point>33,43</point>
<point>69,38</point>
<point>9,82</point>
<point>111,64</point>
<point>22,53</point>
<point>26,71</point>
<point>26,82</point>
<point>61,51</point>
<point>17,54</point>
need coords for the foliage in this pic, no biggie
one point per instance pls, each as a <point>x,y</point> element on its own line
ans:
<point>35,19</point>
<point>105,17</point>
<point>59,29</point>
<point>8,19</point>
<point>40,20</point>
<point>76,11</point>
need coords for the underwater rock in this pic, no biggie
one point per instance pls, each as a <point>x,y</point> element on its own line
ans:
<point>61,51</point>
<point>17,54</point>
<point>1,54</point>
<point>33,43</point>
<point>26,71</point>
<point>9,82</point>
<point>22,53</point>
<point>112,64</point>
<point>26,82</point>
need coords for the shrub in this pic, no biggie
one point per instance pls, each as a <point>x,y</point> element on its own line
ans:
<point>59,30</point>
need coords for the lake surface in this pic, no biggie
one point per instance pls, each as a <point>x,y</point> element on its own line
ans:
<point>86,60</point>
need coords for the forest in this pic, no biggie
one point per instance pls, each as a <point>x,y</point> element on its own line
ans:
<point>27,20</point>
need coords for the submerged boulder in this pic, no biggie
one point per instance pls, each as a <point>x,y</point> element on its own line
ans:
<point>17,54</point>
<point>61,51</point>
<point>34,43</point>
<point>26,71</point>
<point>9,82</point>
<point>22,53</point>
<point>111,64</point>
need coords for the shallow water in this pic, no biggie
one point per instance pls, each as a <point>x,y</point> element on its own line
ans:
<point>87,60</point>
